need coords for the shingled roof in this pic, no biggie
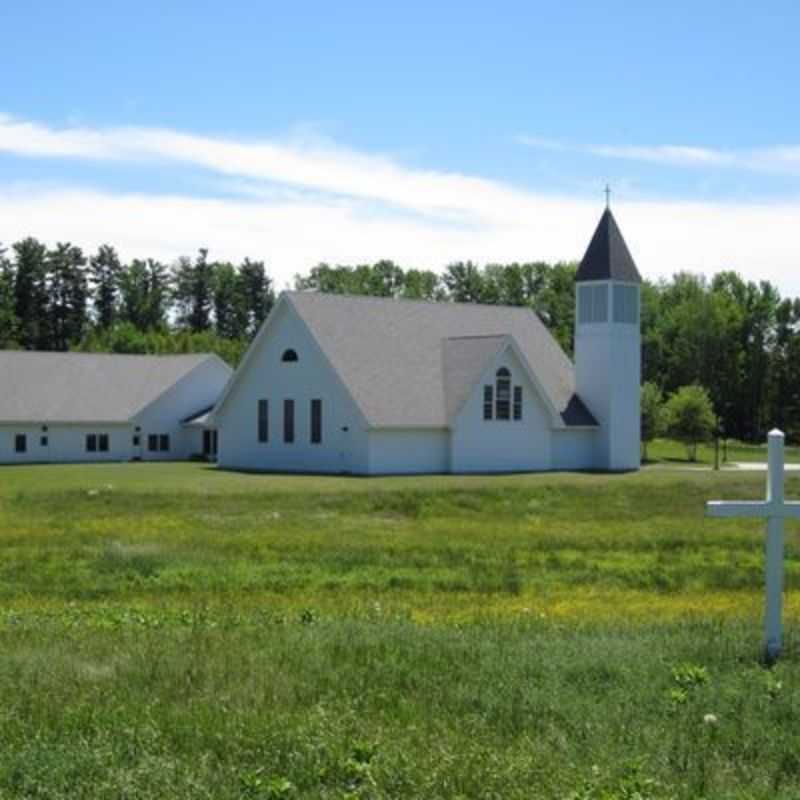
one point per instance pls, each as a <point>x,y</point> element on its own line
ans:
<point>412,363</point>
<point>608,257</point>
<point>85,387</point>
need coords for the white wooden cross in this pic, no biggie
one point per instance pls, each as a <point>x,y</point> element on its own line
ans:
<point>774,509</point>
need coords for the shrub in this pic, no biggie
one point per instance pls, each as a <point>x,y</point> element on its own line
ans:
<point>690,417</point>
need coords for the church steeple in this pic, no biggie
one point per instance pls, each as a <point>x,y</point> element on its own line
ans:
<point>607,258</point>
<point>608,345</point>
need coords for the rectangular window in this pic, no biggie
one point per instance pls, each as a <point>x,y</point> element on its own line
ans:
<point>136,441</point>
<point>163,442</point>
<point>626,304</point>
<point>517,402</point>
<point>503,410</point>
<point>263,420</point>
<point>102,441</point>
<point>316,421</point>
<point>152,443</point>
<point>487,402</point>
<point>20,443</point>
<point>288,421</point>
<point>593,303</point>
<point>43,441</point>
<point>91,442</point>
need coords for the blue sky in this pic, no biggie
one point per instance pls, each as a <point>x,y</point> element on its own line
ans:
<point>416,131</point>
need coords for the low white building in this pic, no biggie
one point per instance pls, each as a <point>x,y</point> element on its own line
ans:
<point>343,384</point>
<point>67,407</point>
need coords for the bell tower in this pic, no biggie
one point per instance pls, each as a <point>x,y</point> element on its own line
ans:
<point>608,345</point>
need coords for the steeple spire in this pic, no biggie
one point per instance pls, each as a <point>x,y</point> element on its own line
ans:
<point>607,258</point>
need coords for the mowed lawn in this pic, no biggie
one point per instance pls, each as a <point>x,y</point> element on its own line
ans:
<point>172,630</point>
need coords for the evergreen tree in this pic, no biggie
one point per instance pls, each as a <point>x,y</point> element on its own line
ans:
<point>9,324</point>
<point>145,291</point>
<point>257,295</point>
<point>30,293</point>
<point>105,270</point>
<point>194,286</point>
<point>68,295</point>
<point>230,313</point>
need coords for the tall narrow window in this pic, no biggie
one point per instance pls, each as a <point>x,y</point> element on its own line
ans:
<point>288,421</point>
<point>152,442</point>
<point>488,401</point>
<point>20,443</point>
<point>102,442</point>
<point>163,442</point>
<point>503,389</point>
<point>263,420</point>
<point>91,443</point>
<point>316,421</point>
<point>517,402</point>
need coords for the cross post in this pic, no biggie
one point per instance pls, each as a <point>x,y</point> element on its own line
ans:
<point>774,509</point>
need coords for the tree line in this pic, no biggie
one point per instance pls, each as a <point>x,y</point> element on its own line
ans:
<point>738,339</point>
<point>61,299</point>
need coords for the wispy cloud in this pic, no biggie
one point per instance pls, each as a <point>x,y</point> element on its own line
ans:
<point>297,202</point>
<point>784,159</point>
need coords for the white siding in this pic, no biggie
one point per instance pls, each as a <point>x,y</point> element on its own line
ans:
<point>199,389</point>
<point>344,439</point>
<point>494,445</point>
<point>65,443</point>
<point>574,449</point>
<point>393,452</point>
<point>608,373</point>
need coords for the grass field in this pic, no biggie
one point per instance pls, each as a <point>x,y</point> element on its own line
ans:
<point>170,630</point>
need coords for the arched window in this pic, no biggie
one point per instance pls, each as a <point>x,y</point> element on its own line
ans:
<point>289,355</point>
<point>503,393</point>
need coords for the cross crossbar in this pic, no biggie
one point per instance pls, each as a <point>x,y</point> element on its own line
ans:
<point>753,508</point>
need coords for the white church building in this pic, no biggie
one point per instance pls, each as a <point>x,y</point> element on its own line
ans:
<point>364,385</point>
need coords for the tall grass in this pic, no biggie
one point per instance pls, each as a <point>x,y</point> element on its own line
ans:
<point>201,634</point>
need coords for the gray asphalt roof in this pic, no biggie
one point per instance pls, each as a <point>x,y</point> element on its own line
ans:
<point>85,387</point>
<point>404,365</point>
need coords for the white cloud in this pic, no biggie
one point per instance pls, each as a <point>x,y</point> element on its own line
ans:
<point>291,235</point>
<point>776,160</point>
<point>299,203</point>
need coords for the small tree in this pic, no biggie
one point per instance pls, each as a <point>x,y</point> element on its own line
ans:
<point>690,417</point>
<point>652,409</point>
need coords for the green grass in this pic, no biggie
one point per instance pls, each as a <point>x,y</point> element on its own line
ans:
<point>170,630</point>
<point>669,451</point>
